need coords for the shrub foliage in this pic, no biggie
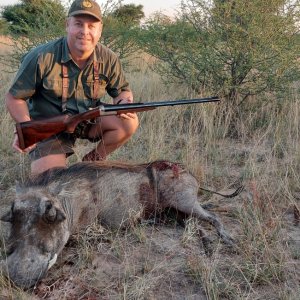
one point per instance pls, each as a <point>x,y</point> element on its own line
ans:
<point>234,48</point>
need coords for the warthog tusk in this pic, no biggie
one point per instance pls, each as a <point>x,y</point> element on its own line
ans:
<point>52,261</point>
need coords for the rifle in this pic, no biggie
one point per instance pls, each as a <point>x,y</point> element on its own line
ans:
<point>31,132</point>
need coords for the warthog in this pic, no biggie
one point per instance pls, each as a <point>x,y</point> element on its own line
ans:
<point>48,209</point>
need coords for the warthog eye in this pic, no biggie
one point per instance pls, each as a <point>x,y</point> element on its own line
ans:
<point>52,214</point>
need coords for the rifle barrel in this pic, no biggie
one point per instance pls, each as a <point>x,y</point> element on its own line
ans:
<point>111,108</point>
<point>32,132</point>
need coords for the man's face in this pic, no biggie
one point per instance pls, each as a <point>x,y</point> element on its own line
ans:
<point>83,33</point>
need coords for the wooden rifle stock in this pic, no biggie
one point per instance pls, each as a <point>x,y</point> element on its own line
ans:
<point>35,131</point>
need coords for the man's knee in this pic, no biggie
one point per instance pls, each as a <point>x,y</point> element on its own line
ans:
<point>126,131</point>
<point>131,127</point>
<point>122,129</point>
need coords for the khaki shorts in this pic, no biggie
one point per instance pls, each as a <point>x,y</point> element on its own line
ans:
<point>62,143</point>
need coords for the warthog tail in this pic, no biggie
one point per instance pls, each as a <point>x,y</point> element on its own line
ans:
<point>234,194</point>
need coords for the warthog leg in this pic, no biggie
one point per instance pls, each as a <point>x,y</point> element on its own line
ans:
<point>195,210</point>
<point>204,215</point>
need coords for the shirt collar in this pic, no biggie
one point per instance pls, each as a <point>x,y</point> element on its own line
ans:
<point>65,55</point>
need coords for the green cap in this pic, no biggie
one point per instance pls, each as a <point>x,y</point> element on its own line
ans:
<point>85,7</point>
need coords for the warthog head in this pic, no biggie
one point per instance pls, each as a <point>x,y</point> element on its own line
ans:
<point>39,231</point>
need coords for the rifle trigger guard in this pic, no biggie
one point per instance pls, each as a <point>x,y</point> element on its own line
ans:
<point>92,121</point>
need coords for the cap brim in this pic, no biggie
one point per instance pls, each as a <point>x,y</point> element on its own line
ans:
<point>84,12</point>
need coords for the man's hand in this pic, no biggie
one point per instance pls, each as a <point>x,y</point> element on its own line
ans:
<point>124,98</point>
<point>19,112</point>
<point>16,145</point>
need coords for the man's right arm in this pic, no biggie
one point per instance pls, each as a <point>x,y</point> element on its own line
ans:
<point>18,110</point>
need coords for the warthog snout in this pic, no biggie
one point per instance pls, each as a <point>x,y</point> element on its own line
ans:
<point>27,272</point>
<point>35,238</point>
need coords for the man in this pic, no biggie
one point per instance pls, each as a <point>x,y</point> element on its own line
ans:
<point>70,75</point>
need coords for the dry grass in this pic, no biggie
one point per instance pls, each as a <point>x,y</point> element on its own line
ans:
<point>167,262</point>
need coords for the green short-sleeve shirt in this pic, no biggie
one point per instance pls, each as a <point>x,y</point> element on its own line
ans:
<point>39,79</point>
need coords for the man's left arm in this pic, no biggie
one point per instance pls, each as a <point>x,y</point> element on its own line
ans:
<point>118,87</point>
<point>123,98</point>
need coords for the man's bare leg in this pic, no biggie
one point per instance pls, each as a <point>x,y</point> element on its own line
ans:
<point>115,132</point>
<point>47,162</point>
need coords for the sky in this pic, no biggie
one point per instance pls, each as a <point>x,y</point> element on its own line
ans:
<point>167,7</point>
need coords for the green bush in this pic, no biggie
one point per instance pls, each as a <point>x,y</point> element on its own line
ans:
<point>3,27</point>
<point>35,14</point>
<point>233,48</point>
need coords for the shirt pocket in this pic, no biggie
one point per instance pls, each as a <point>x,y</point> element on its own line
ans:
<point>52,87</point>
<point>88,86</point>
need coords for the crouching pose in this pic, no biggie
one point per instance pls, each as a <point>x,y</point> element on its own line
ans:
<point>69,76</point>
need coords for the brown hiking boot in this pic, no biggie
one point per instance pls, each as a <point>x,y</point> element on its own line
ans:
<point>93,156</point>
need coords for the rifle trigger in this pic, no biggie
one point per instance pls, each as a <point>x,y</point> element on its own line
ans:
<point>92,121</point>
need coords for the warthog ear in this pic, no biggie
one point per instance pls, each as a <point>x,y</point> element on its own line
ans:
<point>53,214</point>
<point>54,188</point>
